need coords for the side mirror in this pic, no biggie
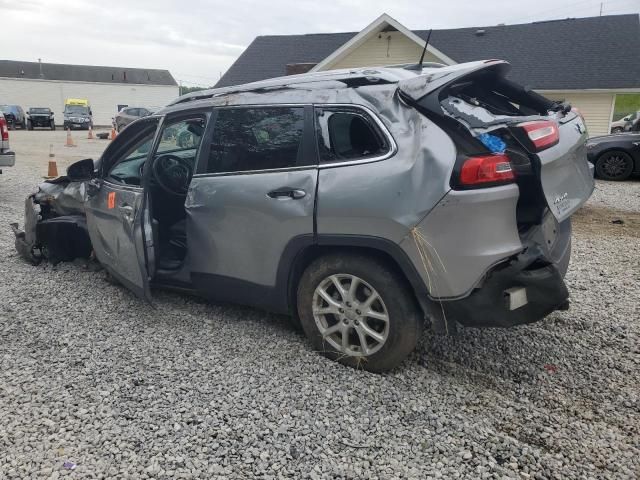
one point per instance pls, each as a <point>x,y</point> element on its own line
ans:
<point>81,170</point>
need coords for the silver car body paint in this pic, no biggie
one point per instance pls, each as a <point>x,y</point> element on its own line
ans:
<point>464,235</point>
<point>469,231</point>
<point>115,227</point>
<point>239,231</point>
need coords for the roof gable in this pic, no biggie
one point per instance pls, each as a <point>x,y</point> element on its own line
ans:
<point>379,24</point>
<point>583,53</point>
<point>85,73</point>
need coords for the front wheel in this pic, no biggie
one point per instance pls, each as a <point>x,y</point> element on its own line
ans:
<point>614,165</point>
<point>358,311</point>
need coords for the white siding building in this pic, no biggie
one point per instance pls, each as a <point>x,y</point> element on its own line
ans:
<point>31,84</point>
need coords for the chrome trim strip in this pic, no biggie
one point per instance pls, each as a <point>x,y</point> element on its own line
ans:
<point>249,172</point>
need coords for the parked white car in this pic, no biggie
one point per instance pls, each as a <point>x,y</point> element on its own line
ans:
<point>624,124</point>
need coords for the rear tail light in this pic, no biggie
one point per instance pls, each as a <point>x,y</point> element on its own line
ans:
<point>4,131</point>
<point>486,171</point>
<point>542,133</point>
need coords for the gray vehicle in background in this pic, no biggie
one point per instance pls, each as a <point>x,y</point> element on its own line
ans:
<point>128,115</point>
<point>362,202</point>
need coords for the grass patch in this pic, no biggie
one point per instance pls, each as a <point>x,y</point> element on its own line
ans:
<point>625,104</point>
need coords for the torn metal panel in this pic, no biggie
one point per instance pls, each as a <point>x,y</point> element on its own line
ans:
<point>54,223</point>
<point>418,86</point>
<point>63,196</point>
<point>478,117</point>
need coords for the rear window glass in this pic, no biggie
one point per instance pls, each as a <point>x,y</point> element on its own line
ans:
<point>345,135</point>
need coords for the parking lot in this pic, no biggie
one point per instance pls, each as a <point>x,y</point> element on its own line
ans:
<point>92,375</point>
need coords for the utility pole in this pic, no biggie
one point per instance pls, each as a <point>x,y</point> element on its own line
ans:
<point>40,63</point>
<point>601,4</point>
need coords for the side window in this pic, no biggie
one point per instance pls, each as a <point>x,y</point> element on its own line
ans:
<point>345,135</point>
<point>260,138</point>
<point>128,153</point>
<point>182,138</point>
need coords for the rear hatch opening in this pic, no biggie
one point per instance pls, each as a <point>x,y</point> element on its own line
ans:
<point>507,133</point>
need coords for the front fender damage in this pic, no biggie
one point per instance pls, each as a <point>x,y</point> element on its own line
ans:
<point>55,226</point>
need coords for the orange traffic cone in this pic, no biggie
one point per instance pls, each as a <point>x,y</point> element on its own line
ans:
<point>90,133</point>
<point>113,133</point>
<point>69,139</point>
<point>52,171</point>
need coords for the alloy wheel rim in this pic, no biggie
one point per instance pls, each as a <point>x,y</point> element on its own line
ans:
<point>614,165</point>
<point>350,315</point>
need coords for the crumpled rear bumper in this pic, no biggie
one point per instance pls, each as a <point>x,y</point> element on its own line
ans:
<point>522,290</point>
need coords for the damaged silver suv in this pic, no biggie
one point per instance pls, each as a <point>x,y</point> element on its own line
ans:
<point>360,201</point>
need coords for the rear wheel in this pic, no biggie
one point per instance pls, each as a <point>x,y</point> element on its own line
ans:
<point>617,130</point>
<point>358,311</point>
<point>614,165</point>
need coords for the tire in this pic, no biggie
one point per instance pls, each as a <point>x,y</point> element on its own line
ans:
<point>399,333</point>
<point>617,130</point>
<point>614,165</point>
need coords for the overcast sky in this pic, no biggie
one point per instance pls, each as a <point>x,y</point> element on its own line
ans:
<point>197,40</point>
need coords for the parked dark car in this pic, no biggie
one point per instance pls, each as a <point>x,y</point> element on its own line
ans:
<point>40,117</point>
<point>128,115</point>
<point>616,157</point>
<point>14,115</point>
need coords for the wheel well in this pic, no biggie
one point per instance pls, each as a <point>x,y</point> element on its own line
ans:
<point>313,252</point>
<point>613,149</point>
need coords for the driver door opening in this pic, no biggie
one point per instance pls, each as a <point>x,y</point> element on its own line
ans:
<point>172,166</point>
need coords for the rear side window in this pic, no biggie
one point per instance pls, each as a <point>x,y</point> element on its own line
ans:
<point>260,138</point>
<point>345,135</point>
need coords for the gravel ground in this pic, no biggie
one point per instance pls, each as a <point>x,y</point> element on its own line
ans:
<point>91,375</point>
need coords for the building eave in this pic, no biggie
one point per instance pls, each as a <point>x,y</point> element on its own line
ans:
<point>378,24</point>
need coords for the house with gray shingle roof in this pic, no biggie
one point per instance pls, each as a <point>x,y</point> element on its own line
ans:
<point>585,61</point>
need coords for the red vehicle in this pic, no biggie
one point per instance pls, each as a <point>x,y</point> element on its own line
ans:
<point>7,157</point>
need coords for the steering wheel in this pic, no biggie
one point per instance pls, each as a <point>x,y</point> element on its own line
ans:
<point>172,173</point>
